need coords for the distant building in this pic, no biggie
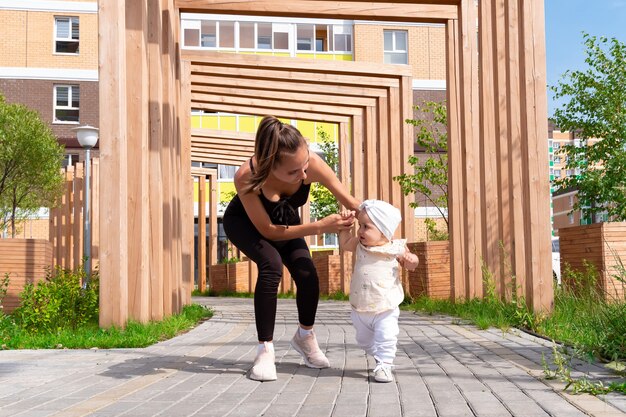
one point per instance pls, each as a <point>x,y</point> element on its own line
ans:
<point>49,63</point>
<point>563,201</point>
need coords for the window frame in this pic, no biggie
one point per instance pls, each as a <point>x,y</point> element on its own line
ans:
<point>70,96</point>
<point>70,39</point>
<point>395,50</point>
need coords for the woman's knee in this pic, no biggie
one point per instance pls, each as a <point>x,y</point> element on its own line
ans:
<point>304,270</point>
<point>270,270</point>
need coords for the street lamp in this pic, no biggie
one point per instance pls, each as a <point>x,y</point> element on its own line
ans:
<point>87,137</point>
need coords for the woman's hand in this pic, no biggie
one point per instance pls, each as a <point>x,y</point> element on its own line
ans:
<point>336,223</point>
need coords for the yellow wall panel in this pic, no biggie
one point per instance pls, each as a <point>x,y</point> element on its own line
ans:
<point>247,124</point>
<point>228,123</point>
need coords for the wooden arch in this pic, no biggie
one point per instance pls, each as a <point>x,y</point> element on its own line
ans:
<point>368,102</point>
<point>498,157</point>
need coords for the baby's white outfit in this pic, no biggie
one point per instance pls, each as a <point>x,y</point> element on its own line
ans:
<point>375,294</point>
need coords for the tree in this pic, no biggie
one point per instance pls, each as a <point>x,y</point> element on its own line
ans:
<point>30,165</point>
<point>323,202</point>
<point>431,174</point>
<point>596,109</point>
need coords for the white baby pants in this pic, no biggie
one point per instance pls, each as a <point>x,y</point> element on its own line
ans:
<point>377,333</point>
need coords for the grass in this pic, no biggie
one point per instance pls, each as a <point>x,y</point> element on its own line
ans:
<point>135,334</point>
<point>582,318</point>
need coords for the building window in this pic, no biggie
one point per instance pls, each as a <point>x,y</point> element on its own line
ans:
<point>264,36</point>
<point>66,34</point>
<point>323,37</point>
<point>557,173</point>
<point>557,159</point>
<point>556,145</point>
<point>571,201</point>
<point>66,103</point>
<point>342,38</point>
<point>70,159</point>
<point>208,34</point>
<point>246,35</point>
<point>305,37</point>
<point>226,172</point>
<point>396,51</point>
<point>570,218</point>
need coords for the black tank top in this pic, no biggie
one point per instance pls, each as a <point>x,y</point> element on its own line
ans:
<point>282,212</point>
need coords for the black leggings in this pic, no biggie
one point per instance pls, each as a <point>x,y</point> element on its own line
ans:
<point>269,257</point>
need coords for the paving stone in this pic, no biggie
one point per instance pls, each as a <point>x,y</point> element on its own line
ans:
<point>442,369</point>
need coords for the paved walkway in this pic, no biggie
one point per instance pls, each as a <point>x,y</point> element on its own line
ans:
<point>443,369</point>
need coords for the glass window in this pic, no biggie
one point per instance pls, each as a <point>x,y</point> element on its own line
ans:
<point>264,36</point>
<point>321,38</point>
<point>70,159</point>
<point>227,34</point>
<point>330,239</point>
<point>281,35</point>
<point>209,34</point>
<point>570,218</point>
<point>343,42</point>
<point>66,35</point>
<point>192,37</point>
<point>226,172</point>
<point>66,103</point>
<point>305,37</point>
<point>246,35</point>
<point>395,47</point>
<point>557,173</point>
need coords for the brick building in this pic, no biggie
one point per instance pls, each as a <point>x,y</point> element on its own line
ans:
<point>49,63</point>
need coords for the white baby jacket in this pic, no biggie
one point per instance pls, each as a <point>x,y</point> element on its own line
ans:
<point>375,286</point>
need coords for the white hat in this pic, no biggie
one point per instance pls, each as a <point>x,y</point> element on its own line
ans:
<point>385,216</point>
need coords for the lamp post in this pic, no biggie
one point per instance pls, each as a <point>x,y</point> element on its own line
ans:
<point>87,137</point>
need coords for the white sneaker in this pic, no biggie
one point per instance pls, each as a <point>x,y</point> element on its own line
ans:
<point>382,372</point>
<point>309,349</point>
<point>264,368</point>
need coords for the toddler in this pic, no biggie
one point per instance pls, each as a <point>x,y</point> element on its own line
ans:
<point>376,289</point>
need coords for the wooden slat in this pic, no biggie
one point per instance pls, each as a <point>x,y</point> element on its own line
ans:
<point>489,195</point>
<point>113,155</point>
<point>139,266</point>
<point>535,111</point>
<point>399,10</point>
<point>455,165</point>
<point>366,70</point>
<point>202,235</point>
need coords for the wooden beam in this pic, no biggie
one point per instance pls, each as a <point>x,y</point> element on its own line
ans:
<point>401,10</point>
<point>113,158</point>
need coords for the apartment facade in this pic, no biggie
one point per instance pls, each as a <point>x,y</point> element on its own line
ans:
<point>563,201</point>
<point>49,62</point>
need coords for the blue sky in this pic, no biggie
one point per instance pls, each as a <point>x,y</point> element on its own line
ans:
<point>565,22</point>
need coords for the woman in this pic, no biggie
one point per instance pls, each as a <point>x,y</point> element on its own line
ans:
<point>263,222</point>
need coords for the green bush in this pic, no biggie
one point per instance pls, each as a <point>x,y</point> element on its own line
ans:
<point>4,287</point>
<point>59,302</point>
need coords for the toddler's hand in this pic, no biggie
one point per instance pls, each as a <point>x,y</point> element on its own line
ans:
<point>409,260</point>
<point>347,214</point>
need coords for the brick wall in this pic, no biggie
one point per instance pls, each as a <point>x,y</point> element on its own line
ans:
<point>27,40</point>
<point>38,96</point>
<point>33,229</point>
<point>13,38</point>
<point>427,54</point>
<point>432,276</point>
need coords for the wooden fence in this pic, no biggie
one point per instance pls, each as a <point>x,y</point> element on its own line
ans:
<point>67,221</point>
<point>25,261</point>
